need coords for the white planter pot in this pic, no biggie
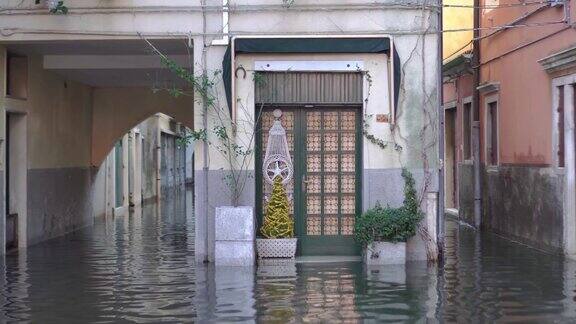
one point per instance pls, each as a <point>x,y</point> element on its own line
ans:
<point>234,236</point>
<point>379,253</point>
<point>276,248</point>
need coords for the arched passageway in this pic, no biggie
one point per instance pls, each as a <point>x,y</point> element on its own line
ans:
<point>117,110</point>
<point>145,164</point>
<point>77,98</point>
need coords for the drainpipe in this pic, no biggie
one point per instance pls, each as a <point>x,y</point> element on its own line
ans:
<point>476,126</point>
<point>205,126</point>
<point>441,194</point>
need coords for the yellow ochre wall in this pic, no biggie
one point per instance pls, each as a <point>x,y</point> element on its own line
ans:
<point>455,18</point>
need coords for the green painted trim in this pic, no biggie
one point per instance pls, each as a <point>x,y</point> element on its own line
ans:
<point>258,172</point>
<point>299,169</point>
<point>323,244</point>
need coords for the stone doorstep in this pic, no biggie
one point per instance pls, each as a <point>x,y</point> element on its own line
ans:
<point>328,259</point>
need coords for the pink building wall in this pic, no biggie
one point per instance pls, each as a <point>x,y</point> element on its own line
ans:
<point>510,58</point>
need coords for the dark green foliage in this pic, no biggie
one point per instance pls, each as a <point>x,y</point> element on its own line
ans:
<point>391,224</point>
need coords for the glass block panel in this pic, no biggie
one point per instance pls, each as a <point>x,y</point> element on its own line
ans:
<point>267,119</point>
<point>348,141</point>
<point>313,142</point>
<point>290,139</point>
<point>348,204</point>
<point>313,120</point>
<point>331,183</point>
<point>348,183</point>
<point>313,226</point>
<point>331,225</point>
<point>348,225</point>
<point>314,184</point>
<point>331,141</point>
<point>348,162</point>
<point>313,163</point>
<point>330,204</point>
<point>331,120</point>
<point>313,204</point>
<point>287,120</point>
<point>331,162</point>
<point>348,120</point>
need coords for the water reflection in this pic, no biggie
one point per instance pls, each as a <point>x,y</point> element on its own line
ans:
<point>141,269</point>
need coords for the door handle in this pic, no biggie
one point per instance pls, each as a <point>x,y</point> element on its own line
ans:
<point>304,184</point>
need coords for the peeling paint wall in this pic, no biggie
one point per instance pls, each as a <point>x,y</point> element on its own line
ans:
<point>525,204</point>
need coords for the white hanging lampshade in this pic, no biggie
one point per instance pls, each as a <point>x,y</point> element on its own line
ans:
<point>277,160</point>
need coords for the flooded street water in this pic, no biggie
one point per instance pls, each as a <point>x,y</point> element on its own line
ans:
<point>141,269</point>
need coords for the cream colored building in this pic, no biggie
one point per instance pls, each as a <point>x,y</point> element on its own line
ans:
<point>359,75</point>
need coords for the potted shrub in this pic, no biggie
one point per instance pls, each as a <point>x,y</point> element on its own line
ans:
<point>278,226</point>
<point>383,231</point>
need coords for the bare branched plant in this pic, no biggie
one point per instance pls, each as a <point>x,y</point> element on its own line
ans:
<point>233,140</point>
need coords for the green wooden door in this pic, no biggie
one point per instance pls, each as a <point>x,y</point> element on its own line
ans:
<point>325,148</point>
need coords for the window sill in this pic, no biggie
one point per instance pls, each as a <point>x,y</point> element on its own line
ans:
<point>492,168</point>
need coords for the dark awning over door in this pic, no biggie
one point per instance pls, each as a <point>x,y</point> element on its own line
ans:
<point>307,45</point>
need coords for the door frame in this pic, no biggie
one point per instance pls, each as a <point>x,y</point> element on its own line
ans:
<point>16,181</point>
<point>300,165</point>
<point>451,118</point>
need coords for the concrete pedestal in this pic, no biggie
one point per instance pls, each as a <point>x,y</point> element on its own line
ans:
<point>234,236</point>
<point>379,253</point>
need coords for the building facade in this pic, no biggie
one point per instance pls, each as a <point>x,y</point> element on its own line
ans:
<point>524,110</point>
<point>357,84</point>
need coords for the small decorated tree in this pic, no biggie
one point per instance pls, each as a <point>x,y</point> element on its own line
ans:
<point>277,221</point>
<point>278,226</point>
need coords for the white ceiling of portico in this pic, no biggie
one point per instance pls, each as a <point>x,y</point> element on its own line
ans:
<point>110,63</point>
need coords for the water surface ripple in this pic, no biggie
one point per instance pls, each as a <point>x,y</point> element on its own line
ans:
<point>141,269</point>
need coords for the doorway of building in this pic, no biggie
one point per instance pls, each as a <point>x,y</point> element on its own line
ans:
<point>172,163</point>
<point>325,147</point>
<point>450,159</point>
<point>16,180</point>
